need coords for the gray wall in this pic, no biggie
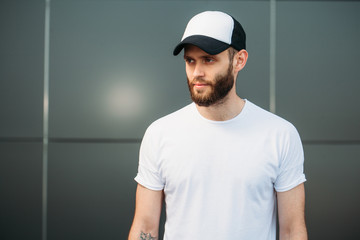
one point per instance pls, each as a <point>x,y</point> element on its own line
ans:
<point>111,73</point>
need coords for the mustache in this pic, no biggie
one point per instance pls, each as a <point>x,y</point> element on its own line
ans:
<point>201,81</point>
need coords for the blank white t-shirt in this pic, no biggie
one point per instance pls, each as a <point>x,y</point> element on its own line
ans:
<point>220,177</point>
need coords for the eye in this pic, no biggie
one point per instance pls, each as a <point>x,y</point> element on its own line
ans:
<point>189,60</point>
<point>209,60</point>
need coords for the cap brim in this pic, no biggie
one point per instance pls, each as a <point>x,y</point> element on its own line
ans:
<point>207,44</point>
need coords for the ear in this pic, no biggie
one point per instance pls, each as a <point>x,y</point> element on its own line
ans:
<point>240,60</point>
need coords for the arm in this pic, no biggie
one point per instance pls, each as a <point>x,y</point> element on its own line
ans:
<point>147,214</point>
<point>291,207</point>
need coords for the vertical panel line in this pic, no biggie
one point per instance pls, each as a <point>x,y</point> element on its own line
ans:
<point>45,120</point>
<point>272,77</point>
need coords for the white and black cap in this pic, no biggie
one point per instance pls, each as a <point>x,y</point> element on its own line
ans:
<point>213,32</point>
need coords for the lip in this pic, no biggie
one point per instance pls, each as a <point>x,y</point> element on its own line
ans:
<point>199,84</point>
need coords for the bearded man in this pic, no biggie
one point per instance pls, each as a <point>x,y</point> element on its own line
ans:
<point>225,167</point>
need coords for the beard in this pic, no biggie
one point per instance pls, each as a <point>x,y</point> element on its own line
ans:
<point>219,88</point>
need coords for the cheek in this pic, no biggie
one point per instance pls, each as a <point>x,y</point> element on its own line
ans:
<point>188,72</point>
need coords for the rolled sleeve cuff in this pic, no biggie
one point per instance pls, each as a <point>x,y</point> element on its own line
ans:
<point>290,186</point>
<point>149,179</point>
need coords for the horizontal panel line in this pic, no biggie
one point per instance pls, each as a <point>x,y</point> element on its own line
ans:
<point>138,140</point>
<point>21,139</point>
<point>331,142</point>
<point>95,140</point>
<point>72,140</point>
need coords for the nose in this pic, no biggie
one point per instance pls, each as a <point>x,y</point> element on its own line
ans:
<point>198,71</point>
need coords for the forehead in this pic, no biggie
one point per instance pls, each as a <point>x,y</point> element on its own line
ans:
<point>194,51</point>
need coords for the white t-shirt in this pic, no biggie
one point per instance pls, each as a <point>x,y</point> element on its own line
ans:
<point>220,177</point>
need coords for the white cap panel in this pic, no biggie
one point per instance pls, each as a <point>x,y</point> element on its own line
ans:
<point>212,24</point>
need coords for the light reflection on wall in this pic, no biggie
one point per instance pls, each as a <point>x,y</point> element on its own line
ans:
<point>125,100</point>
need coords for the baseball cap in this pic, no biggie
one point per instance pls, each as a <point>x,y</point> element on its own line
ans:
<point>213,32</point>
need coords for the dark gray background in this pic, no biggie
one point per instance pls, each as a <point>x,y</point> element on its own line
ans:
<point>112,73</point>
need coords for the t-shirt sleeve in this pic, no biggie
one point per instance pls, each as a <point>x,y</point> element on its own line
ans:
<point>148,170</point>
<point>291,168</point>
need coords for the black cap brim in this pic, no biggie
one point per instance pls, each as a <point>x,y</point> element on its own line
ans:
<point>207,44</point>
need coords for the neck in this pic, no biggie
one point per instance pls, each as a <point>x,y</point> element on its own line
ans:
<point>228,108</point>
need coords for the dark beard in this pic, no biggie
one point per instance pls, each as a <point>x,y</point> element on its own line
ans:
<point>219,89</point>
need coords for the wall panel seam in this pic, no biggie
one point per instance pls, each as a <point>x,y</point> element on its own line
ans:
<point>45,120</point>
<point>272,63</point>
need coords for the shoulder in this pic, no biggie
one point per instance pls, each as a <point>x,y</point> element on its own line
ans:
<point>267,120</point>
<point>280,133</point>
<point>174,119</point>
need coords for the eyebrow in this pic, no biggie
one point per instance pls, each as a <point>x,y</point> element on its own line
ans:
<point>203,56</point>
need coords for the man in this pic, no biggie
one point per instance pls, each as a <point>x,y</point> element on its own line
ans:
<point>225,167</point>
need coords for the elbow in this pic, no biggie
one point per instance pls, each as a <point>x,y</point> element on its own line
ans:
<point>143,230</point>
<point>297,232</point>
